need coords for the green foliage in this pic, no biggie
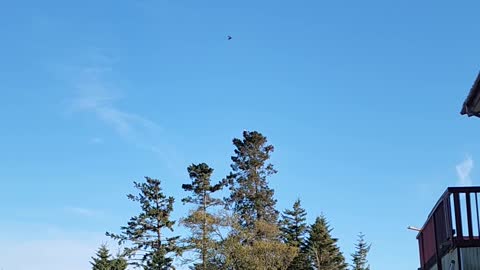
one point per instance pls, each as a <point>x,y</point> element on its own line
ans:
<point>359,258</point>
<point>203,224</point>
<point>246,235</point>
<point>119,264</point>
<point>251,198</point>
<point>103,261</point>
<point>300,262</point>
<point>294,226</point>
<point>323,251</point>
<point>242,249</point>
<point>294,229</point>
<point>268,255</point>
<point>254,241</point>
<point>148,247</point>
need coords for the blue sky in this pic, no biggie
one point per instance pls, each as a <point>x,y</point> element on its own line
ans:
<point>360,98</point>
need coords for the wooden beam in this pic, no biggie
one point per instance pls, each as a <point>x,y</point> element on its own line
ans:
<point>458,216</point>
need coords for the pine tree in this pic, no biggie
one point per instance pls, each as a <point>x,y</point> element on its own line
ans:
<point>103,260</point>
<point>201,222</point>
<point>243,250</point>
<point>294,229</point>
<point>322,248</point>
<point>251,198</point>
<point>148,247</point>
<point>255,239</point>
<point>294,226</point>
<point>359,258</point>
<point>119,263</point>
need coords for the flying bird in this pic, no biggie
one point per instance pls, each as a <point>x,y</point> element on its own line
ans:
<point>229,37</point>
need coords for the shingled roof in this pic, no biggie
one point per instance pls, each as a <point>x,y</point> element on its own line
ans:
<point>471,106</point>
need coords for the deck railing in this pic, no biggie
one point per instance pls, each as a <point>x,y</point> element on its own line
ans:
<point>453,222</point>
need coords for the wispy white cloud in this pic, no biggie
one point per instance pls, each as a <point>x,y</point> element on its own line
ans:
<point>464,170</point>
<point>98,96</point>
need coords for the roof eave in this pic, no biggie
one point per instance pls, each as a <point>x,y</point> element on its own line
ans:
<point>474,92</point>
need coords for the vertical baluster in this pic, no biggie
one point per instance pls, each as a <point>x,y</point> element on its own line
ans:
<point>469,215</point>
<point>478,218</point>
<point>458,216</point>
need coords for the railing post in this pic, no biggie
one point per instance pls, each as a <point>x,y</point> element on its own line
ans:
<point>458,217</point>
<point>437,255</point>
<point>478,218</point>
<point>469,216</point>
<point>448,217</point>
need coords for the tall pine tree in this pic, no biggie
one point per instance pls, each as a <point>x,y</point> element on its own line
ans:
<point>359,258</point>
<point>323,251</point>
<point>294,229</point>
<point>254,242</point>
<point>201,221</point>
<point>251,198</point>
<point>148,247</point>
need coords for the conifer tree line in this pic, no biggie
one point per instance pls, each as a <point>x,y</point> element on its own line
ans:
<point>243,231</point>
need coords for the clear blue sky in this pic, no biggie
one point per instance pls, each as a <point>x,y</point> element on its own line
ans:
<point>360,98</point>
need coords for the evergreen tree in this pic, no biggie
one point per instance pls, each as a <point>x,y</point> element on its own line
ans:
<point>201,222</point>
<point>359,258</point>
<point>294,229</point>
<point>148,247</point>
<point>294,225</point>
<point>255,239</point>
<point>103,261</point>
<point>323,251</point>
<point>119,263</point>
<point>251,198</point>
<point>243,250</point>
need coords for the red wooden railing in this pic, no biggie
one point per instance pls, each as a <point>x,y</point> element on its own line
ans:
<point>449,227</point>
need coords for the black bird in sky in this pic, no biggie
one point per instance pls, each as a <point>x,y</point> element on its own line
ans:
<point>229,37</point>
